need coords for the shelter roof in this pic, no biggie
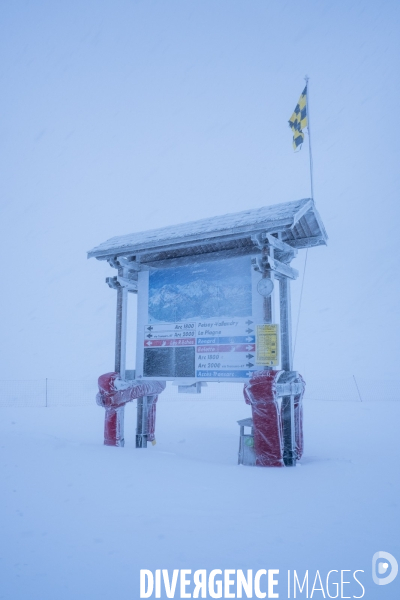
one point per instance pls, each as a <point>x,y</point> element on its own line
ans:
<point>298,223</point>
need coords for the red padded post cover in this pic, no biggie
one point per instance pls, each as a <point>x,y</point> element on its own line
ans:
<point>114,393</point>
<point>114,427</point>
<point>260,393</point>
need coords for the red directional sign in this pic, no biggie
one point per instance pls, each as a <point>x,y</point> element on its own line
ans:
<point>179,342</point>
<point>227,348</point>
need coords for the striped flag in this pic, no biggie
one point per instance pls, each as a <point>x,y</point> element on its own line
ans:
<point>299,120</point>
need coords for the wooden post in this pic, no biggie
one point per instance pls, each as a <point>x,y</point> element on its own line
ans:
<point>120,355</point>
<point>289,447</point>
<point>268,302</point>
<point>120,334</point>
<point>286,324</point>
<point>142,419</point>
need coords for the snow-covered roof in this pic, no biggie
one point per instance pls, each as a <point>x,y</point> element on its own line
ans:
<point>298,222</point>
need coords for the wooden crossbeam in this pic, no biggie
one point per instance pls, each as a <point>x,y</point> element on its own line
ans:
<point>268,263</point>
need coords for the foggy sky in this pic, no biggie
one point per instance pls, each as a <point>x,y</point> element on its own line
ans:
<point>125,116</point>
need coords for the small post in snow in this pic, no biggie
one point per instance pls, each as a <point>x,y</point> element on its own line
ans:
<point>354,377</point>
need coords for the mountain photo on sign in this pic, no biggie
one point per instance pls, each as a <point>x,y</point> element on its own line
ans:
<point>201,291</point>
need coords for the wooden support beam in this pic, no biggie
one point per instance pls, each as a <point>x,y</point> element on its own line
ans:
<point>303,210</point>
<point>308,242</point>
<point>286,324</point>
<point>144,405</point>
<point>120,333</point>
<point>268,263</point>
<point>320,225</point>
<point>130,265</point>
<point>199,258</point>
<point>122,282</point>
<point>281,269</point>
<point>129,283</point>
<point>263,239</point>
<point>276,248</point>
<point>287,407</point>
<point>299,230</point>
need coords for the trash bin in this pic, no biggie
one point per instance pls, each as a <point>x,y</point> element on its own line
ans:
<point>247,455</point>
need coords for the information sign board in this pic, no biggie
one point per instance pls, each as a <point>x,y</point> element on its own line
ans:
<point>200,322</point>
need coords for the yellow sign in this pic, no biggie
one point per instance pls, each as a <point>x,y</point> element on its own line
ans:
<point>267,345</point>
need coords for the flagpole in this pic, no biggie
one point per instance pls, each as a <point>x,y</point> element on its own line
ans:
<point>312,196</point>
<point>309,137</point>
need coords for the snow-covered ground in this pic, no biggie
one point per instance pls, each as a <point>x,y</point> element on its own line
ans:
<point>78,520</point>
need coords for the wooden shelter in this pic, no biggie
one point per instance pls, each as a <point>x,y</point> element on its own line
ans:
<point>271,235</point>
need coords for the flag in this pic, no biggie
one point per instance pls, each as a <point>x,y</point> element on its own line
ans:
<point>299,120</point>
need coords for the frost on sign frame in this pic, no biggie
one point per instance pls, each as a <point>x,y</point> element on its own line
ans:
<point>198,321</point>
